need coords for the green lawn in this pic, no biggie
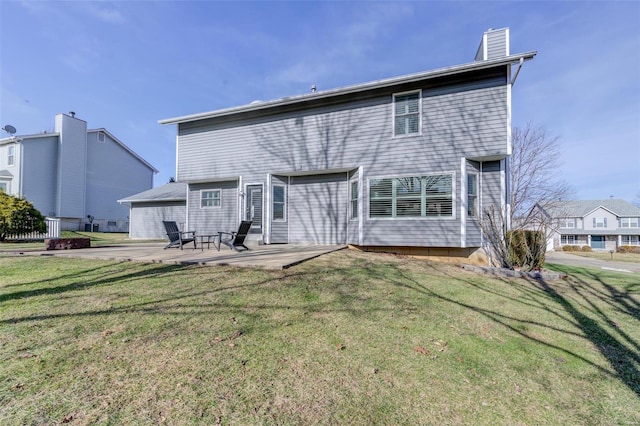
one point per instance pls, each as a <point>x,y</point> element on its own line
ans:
<point>348,338</point>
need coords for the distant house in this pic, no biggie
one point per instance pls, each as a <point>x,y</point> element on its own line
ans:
<point>149,208</point>
<point>599,224</point>
<point>403,164</point>
<point>74,174</point>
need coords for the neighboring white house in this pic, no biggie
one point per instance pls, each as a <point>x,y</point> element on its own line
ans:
<point>599,224</point>
<point>75,174</point>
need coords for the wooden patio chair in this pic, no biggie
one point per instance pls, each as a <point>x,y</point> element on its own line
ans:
<point>236,239</point>
<point>176,237</point>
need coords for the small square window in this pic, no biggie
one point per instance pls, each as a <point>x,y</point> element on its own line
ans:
<point>210,198</point>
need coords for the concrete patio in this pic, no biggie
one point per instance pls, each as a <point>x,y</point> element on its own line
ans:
<point>275,256</point>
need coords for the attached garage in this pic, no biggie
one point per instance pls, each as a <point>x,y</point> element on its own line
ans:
<point>148,209</point>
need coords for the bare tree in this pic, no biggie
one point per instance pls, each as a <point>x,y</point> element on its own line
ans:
<point>534,172</point>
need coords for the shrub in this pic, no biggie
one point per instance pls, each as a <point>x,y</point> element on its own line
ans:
<point>586,248</point>
<point>18,216</point>
<point>569,248</point>
<point>629,249</point>
<point>526,249</point>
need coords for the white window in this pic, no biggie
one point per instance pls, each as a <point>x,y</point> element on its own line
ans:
<point>568,239</point>
<point>11,153</point>
<point>630,240</point>
<point>210,198</point>
<point>4,186</point>
<point>415,196</point>
<point>100,137</point>
<point>406,114</point>
<point>599,222</point>
<point>472,195</point>
<point>567,223</point>
<point>354,199</point>
<point>629,222</point>
<point>279,200</point>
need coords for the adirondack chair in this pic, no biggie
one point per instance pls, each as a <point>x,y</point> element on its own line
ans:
<point>236,239</point>
<point>176,237</point>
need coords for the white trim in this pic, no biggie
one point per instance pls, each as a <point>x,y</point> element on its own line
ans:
<point>485,47</point>
<point>282,185</point>
<point>505,204</point>
<point>266,227</point>
<point>361,205</point>
<point>393,114</point>
<point>463,202</point>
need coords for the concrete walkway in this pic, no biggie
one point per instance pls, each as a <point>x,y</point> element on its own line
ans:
<point>274,256</point>
<point>564,258</point>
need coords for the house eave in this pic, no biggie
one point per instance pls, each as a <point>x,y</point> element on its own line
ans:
<point>378,84</point>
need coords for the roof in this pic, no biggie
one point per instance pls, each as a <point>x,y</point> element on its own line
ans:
<point>126,148</point>
<point>173,191</point>
<point>378,84</point>
<point>581,208</point>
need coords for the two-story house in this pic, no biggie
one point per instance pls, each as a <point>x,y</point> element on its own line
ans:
<point>403,164</point>
<point>599,224</point>
<point>74,174</point>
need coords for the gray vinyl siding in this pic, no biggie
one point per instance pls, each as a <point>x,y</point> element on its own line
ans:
<point>462,120</point>
<point>114,174</point>
<point>146,218</point>
<point>39,173</point>
<point>72,161</point>
<point>213,219</point>
<point>491,182</point>
<point>497,44</point>
<point>318,209</point>
<point>280,228</point>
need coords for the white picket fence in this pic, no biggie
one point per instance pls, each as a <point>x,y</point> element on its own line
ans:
<point>53,231</point>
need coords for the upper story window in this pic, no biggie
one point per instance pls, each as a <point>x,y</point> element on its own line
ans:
<point>472,195</point>
<point>406,114</point>
<point>210,198</point>
<point>567,223</point>
<point>11,154</point>
<point>628,222</point>
<point>599,222</point>
<point>101,137</point>
<point>414,196</point>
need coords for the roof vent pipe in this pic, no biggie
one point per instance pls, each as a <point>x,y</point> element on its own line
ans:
<point>72,114</point>
<point>313,88</point>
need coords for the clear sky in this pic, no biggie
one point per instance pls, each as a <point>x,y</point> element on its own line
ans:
<point>125,65</point>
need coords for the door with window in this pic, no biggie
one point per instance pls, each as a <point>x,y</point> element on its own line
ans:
<point>597,242</point>
<point>253,208</point>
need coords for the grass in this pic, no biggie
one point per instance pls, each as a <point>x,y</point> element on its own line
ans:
<point>97,239</point>
<point>606,256</point>
<point>348,338</point>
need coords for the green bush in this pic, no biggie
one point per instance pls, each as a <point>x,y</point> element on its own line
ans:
<point>526,249</point>
<point>18,216</point>
<point>586,248</point>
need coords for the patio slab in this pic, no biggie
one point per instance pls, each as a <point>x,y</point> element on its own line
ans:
<point>273,256</point>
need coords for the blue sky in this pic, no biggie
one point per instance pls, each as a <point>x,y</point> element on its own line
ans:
<point>125,65</point>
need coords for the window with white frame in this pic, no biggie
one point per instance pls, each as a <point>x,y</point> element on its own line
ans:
<point>630,240</point>
<point>414,196</point>
<point>354,199</point>
<point>628,222</point>
<point>11,154</point>
<point>472,195</point>
<point>568,223</point>
<point>599,222</point>
<point>210,198</point>
<point>568,239</point>
<point>4,186</point>
<point>406,114</point>
<point>101,137</point>
<point>279,200</point>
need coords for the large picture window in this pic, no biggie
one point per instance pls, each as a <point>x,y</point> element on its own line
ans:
<point>414,196</point>
<point>279,197</point>
<point>210,198</point>
<point>629,222</point>
<point>406,114</point>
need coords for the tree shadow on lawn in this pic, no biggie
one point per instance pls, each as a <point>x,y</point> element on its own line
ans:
<point>622,359</point>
